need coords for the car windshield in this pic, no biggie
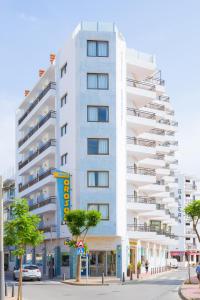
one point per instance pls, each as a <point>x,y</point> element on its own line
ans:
<point>30,267</point>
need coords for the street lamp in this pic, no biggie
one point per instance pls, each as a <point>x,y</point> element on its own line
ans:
<point>1,245</point>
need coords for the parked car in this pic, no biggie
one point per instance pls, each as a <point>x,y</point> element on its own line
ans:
<point>28,272</point>
<point>172,262</point>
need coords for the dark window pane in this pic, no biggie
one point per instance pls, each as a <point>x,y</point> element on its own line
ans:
<point>92,146</point>
<point>103,114</point>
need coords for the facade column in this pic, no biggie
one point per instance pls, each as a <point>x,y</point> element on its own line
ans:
<point>44,259</point>
<point>73,262</point>
<point>33,256</point>
<point>121,258</point>
<point>57,261</point>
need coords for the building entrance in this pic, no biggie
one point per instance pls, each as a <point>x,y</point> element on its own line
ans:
<point>102,262</point>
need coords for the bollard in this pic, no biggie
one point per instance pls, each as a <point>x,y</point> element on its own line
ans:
<point>6,289</point>
<point>63,276</point>
<point>13,290</point>
<point>123,277</point>
<point>102,279</point>
<point>131,275</point>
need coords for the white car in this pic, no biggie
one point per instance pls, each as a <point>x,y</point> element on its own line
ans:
<point>28,272</point>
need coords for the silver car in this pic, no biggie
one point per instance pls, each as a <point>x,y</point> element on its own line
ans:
<point>28,272</point>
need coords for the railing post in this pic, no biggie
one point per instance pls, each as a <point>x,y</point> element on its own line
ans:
<point>6,289</point>
<point>13,290</point>
<point>123,277</point>
<point>102,279</point>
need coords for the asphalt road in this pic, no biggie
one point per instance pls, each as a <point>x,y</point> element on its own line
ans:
<point>164,287</point>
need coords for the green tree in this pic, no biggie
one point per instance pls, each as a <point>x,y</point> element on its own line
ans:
<point>79,222</point>
<point>192,210</point>
<point>22,231</point>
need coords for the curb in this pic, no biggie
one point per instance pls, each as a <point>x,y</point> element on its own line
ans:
<point>85,284</point>
<point>181,294</point>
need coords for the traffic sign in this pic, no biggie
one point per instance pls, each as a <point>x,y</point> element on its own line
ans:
<point>80,244</point>
<point>80,251</point>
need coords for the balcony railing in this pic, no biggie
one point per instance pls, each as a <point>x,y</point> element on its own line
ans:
<point>146,228</point>
<point>50,143</point>
<point>156,106</point>
<point>140,142</point>
<point>140,199</point>
<point>163,98</point>
<point>42,203</point>
<point>156,78</point>
<point>33,181</point>
<point>140,113</point>
<point>157,131</point>
<point>141,84</point>
<point>141,171</point>
<point>51,85</point>
<point>50,114</point>
<point>168,122</point>
<point>47,228</point>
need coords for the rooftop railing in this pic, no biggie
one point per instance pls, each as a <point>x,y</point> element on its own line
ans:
<point>140,113</point>
<point>36,179</point>
<point>51,85</point>
<point>141,142</point>
<point>50,114</point>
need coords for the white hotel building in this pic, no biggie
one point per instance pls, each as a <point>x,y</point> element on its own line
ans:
<point>100,112</point>
<point>188,247</point>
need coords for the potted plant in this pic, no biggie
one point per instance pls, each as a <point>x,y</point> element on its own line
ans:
<point>130,269</point>
<point>139,265</point>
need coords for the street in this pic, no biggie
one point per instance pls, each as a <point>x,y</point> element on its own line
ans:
<point>164,287</point>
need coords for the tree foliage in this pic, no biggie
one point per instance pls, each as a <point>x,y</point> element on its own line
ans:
<point>79,222</point>
<point>22,231</point>
<point>192,210</point>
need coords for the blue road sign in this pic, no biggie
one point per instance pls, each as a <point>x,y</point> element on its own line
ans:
<point>80,251</point>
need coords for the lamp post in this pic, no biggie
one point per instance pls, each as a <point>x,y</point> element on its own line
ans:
<point>1,245</point>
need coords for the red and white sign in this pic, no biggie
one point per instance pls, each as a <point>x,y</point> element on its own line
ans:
<point>80,244</point>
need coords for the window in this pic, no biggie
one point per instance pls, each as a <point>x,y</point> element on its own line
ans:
<point>187,224</point>
<point>97,81</point>
<point>97,48</point>
<point>98,178</point>
<point>187,239</point>
<point>98,113</point>
<point>63,70</point>
<point>64,159</point>
<point>98,146</point>
<point>102,208</point>
<point>63,100</point>
<point>65,260</point>
<point>64,129</point>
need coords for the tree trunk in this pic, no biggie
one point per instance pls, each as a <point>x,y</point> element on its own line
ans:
<point>19,297</point>
<point>197,233</point>
<point>78,269</point>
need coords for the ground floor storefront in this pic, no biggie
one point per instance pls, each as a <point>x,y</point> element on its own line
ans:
<point>111,256</point>
<point>183,257</point>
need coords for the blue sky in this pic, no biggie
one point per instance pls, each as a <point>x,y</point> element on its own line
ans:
<point>170,29</point>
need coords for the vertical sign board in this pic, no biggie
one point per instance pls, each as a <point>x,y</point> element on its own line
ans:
<point>63,186</point>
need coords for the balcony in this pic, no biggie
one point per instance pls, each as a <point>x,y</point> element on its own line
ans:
<point>49,230</point>
<point>50,200</point>
<point>140,120</point>
<point>163,98</point>
<point>51,85</point>
<point>141,84</point>
<point>141,204</point>
<point>156,161</point>
<point>38,178</point>
<point>153,188</point>
<point>51,142</point>
<point>140,148</point>
<point>140,176</point>
<point>50,114</point>
<point>148,232</point>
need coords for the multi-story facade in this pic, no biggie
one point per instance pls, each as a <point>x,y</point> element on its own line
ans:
<point>101,113</point>
<point>188,246</point>
<point>8,197</point>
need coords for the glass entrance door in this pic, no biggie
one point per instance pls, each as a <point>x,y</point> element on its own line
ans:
<point>102,262</point>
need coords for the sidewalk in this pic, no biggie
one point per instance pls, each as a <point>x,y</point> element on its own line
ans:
<point>190,291</point>
<point>95,281</point>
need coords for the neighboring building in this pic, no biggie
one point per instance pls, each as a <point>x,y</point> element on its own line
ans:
<point>101,113</point>
<point>8,196</point>
<point>188,246</point>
